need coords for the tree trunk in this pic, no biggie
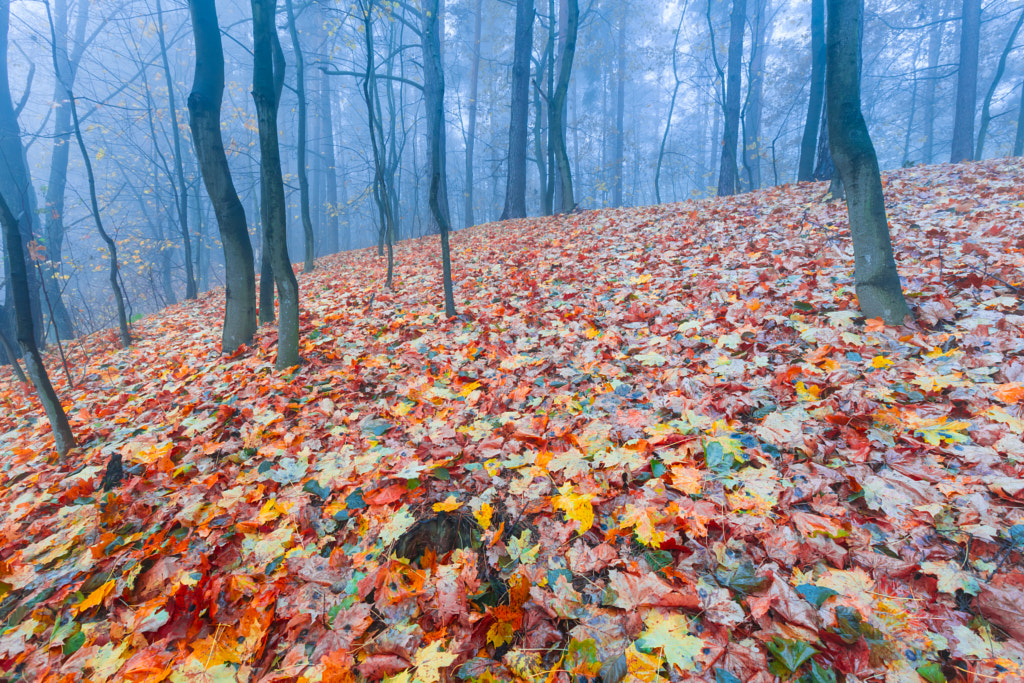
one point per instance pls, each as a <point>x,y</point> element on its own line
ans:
<point>181,190</point>
<point>809,142</point>
<point>877,280</point>
<point>266,95</point>
<point>538,140</point>
<point>330,171</point>
<point>300,91</point>
<point>518,138</point>
<point>728,173</point>
<point>57,182</point>
<point>113,276</point>
<point>934,52</point>
<point>619,146</point>
<point>986,114</point>
<point>433,95</point>
<point>966,83</point>
<point>204,106</point>
<point>1018,141</point>
<point>556,112</point>
<point>755,91</point>
<point>671,110</point>
<point>474,78</point>
<point>63,439</point>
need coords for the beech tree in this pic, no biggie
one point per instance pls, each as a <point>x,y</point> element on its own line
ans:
<point>879,292</point>
<point>966,82</point>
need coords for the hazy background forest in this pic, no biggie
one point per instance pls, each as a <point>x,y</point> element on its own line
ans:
<point>644,117</point>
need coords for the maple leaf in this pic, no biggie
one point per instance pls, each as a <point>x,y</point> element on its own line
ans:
<point>951,577</point>
<point>450,504</point>
<point>670,634</point>
<point>520,550</point>
<point>430,660</point>
<point>483,516</point>
<point>642,520</point>
<point>577,506</point>
<point>400,522</point>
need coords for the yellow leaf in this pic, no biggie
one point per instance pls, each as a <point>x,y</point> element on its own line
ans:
<point>880,362</point>
<point>483,516</point>
<point>270,511</point>
<point>430,660</point>
<point>576,506</point>
<point>96,597</point>
<point>643,521</point>
<point>450,504</point>
<point>808,392</point>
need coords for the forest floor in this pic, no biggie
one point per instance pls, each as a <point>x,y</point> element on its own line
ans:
<point>656,444</point>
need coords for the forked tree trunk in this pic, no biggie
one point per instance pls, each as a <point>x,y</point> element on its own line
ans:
<point>515,187</point>
<point>266,95</point>
<point>877,281</point>
<point>204,106</point>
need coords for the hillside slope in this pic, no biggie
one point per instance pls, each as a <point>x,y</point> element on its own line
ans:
<point>657,443</point>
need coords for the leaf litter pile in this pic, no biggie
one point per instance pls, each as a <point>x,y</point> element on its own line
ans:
<point>657,444</point>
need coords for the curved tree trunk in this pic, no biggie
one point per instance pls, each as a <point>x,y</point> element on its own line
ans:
<point>966,83</point>
<point>556,111</point>
<point>204,105</point>
<point>809,142</point>
<point>266,95</point>
<point>515,187</point>
<point>986,113</point>
<point>877,280</point>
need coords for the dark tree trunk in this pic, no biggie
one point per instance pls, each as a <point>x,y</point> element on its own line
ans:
<point>433,95</point>
<point>331,173</point>
<point>1018,141</point>
<point>181,189</point>
<point>57,182</point>
<point>63,439</point>
<point>877,280</point>
<point>204,106</point>
<point>518,138</point>
<point>538,139</point>
<point>966,83</point>
<point>809,142</point>
<point>474,82</point>
<point>266,95</point>
<point>986,113</point>
<point>556,112</point>
<point>300,92</point>
<point>728,173</point>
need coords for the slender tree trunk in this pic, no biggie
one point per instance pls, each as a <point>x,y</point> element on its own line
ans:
<point>518,137</point>
<point>557,114</point>
<point>549,197</point>
<point>728,174</point>
<point>877,280</point>
<point>113,275</point>
<point>330,170</point>
<point>57,183</point>
<point>433,95</point>
<point>939,10</point>
<point>619,147</point>
<point>181,190</point>
<point>63,439</point>
<point>204,106</point>
<point>266,95</point>
<point>300,91</point>
<point>538,140</point>
<point>966,83</point>
<point>1018,141</point>
<point>809,142</point>
<point>755,93</point>
<point>474,78</point>
<point>671,110</point>
<point>986,113</point>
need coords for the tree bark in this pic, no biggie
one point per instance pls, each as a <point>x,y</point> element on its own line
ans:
<point>755,90</point>
<point>877,280</point>
<point>63,439</point>
<point>809,142</point>
<point>433,94</point>
<point>1018,141</point>
<point>966,83</point>
<point>518,138</point>
<point>181,189</point>
<point>728,174</point>
<point>474,82</point>
<point>330,170</point>
<point>556,111</point>
<point>934,52</point>
<point>986,113</point>
<point>266,95</point>
<point>303,173</point>
<point>204,106</point>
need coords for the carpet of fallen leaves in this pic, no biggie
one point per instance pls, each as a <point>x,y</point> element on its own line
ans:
<point>657,444</point>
